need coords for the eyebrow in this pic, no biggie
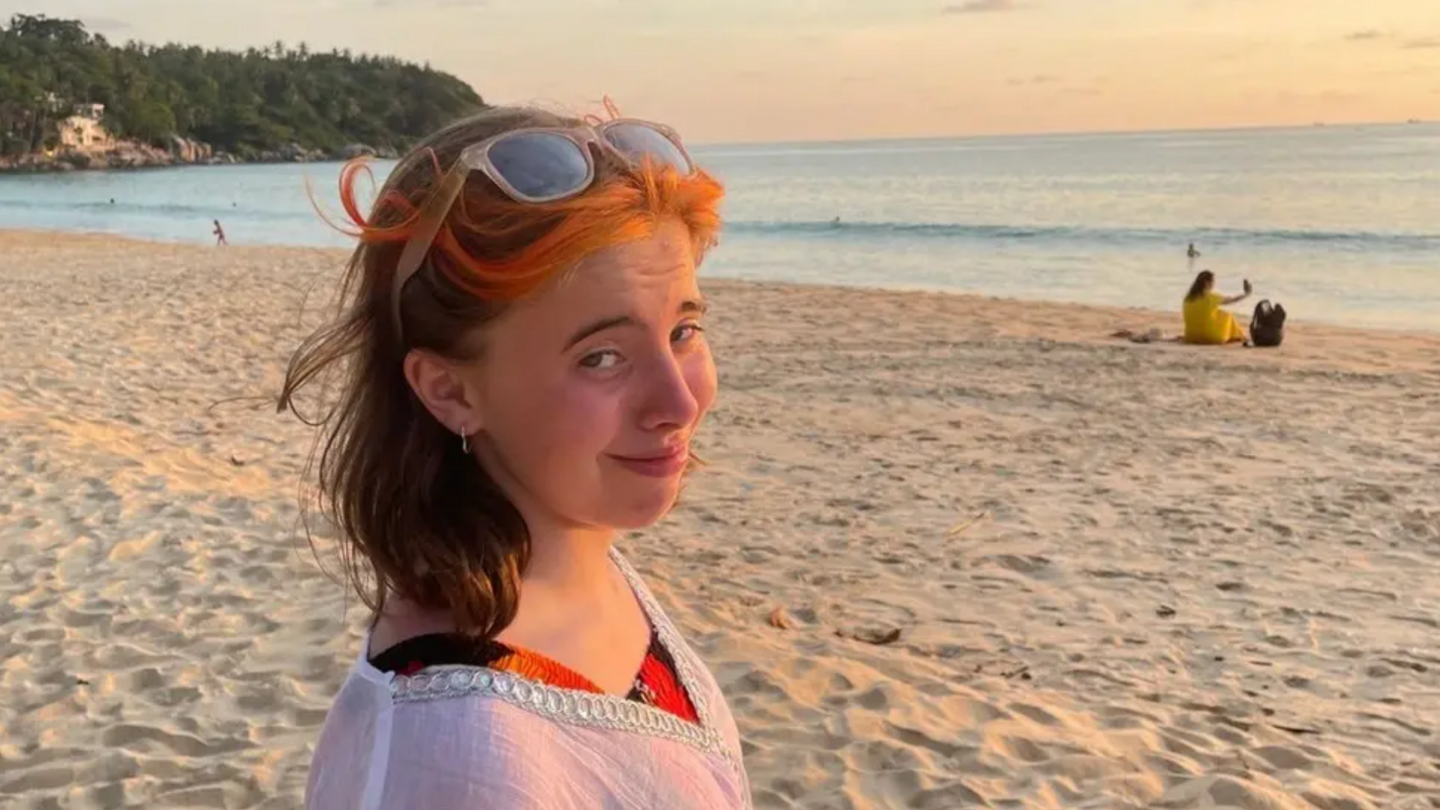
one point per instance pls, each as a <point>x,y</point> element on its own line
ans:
<point>689,306</point>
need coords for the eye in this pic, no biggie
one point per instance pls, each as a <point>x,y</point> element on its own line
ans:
<point>601,360</point>
<point>686,332</point>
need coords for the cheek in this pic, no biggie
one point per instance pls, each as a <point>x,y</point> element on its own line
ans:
<point>545,425</point>
<point>583,420</point>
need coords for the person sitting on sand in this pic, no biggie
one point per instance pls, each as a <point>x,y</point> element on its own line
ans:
<point>524,372</point>
<point>1205,322</point>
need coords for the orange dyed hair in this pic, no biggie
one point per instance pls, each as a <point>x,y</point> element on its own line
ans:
<point>416,516</point>
<point>500,249</point>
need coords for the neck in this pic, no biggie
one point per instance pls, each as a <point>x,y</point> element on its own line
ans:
<point>566,559</point>
<point>567,567</point>
<point>571,561</point>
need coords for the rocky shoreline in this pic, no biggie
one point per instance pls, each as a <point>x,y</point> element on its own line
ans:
<point>177,151</point>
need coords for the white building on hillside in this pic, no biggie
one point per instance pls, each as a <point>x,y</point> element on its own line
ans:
<point>83,131</point>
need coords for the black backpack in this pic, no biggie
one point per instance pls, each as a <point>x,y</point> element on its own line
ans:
<point>1267,327</point>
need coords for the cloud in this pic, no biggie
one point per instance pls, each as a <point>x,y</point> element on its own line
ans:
<point>1373,35</point>
<point>107,25</point>
<point>1242,52</point>
<point>432,3</point>
<point>1411,70</point>
<point>983,7</point>
<point>1336,97</point>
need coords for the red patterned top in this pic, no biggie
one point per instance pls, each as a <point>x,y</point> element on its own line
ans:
<point>656,684</point>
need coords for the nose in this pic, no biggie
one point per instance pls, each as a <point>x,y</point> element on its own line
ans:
<point>667,402</point>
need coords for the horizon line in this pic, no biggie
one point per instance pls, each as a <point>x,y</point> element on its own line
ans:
<point>1071,133</point>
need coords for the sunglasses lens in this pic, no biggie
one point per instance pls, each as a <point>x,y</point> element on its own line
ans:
<point>640,143</point>
<point>541,165</point>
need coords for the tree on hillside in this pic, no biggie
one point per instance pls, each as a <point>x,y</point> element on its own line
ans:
<point>260,100</point>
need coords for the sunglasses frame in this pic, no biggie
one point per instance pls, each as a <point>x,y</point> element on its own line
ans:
<point>476,158</point>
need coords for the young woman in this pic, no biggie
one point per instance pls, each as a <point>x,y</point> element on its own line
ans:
<point>1205,322</point>
<point>524,371</point>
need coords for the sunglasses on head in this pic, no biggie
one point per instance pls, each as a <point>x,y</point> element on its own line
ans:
<point>540,165</point>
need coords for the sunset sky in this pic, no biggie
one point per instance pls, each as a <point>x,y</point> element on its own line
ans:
<point>755,70</point>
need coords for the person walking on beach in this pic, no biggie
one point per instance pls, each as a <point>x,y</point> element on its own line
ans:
<point>525,368</point>
<point>1205,322</point>
<point>219,234</point>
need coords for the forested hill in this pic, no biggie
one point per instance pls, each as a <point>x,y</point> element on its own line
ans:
<point>260,101</point>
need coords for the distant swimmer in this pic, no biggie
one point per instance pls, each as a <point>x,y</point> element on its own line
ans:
<point>1192,252</point>
<point>219,234</point>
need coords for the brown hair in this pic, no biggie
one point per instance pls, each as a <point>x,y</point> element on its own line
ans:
<point>1202,283</point>
<point>417,516</point>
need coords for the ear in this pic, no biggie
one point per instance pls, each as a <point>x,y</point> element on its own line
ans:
<point>445,388</point>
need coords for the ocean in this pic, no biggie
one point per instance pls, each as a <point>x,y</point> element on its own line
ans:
<point>1341,224</point>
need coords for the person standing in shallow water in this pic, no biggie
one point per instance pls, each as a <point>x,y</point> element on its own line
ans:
<point>525,370</point>
<point>219,234</point>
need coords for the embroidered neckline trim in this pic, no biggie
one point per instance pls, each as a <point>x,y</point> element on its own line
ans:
<point>579,707</point>
<point>555,703</point>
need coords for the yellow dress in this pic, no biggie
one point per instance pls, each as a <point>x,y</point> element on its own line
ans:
<point>1207,323</point>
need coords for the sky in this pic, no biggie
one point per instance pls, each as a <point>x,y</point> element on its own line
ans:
<point>771,70</point>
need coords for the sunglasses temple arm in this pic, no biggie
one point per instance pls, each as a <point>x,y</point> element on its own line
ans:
<point>428,227</point>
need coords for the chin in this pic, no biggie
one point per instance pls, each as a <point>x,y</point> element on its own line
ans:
<point>642,509</point>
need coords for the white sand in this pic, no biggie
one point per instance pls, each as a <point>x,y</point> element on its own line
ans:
<point>1184,577</point>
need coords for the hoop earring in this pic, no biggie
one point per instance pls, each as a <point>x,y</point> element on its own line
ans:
<point>464,440</point>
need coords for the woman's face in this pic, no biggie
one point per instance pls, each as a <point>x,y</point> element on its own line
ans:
<point>588,395</point>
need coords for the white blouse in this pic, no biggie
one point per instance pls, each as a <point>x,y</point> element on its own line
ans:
<point>465,738</point>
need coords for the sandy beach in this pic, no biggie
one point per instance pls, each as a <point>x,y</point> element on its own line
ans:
<point>1014,562</point>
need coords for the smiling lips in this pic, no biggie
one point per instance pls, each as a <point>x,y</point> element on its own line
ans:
<point>665,464</point>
